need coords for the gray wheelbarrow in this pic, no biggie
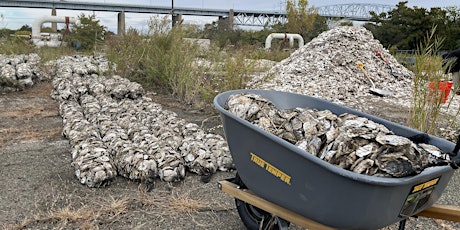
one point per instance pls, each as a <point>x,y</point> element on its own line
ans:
<point>307,190</point>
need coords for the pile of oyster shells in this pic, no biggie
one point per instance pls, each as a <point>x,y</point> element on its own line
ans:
<point>346,140</point>
<point>115,130</point>
<point>19,71</point>
<point>326,67</point>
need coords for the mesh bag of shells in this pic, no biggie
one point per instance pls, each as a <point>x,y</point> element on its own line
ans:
<point>19,71</point>
<point>113,129</point>
<point>346,140</point>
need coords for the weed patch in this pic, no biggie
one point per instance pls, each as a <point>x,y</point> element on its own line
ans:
<point>429,76</point>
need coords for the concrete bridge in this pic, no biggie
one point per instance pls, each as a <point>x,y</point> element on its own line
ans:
<point>354,12</point>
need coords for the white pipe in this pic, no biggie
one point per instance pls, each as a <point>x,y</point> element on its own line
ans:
<point>37,26</point>
<point>291,37</point>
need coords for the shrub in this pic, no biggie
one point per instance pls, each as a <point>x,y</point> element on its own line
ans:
<point>427,103</point>
<point>163,60</point>
<point>16,45</point>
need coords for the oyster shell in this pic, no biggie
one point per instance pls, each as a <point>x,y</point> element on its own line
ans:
<point>395,165</point>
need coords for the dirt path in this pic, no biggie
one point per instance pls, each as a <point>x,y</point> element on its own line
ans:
<point>39,190</point>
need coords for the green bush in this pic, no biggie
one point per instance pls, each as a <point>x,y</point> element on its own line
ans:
<point>54,53</point>
<point>163,60</point>
<point>160,60</point>
<point>273,54</point>
<point>89,33</point>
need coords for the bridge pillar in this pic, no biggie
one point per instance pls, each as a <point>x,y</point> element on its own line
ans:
<point>176,18</point>
<point>53,24</point>
<point>226,23</point>
<point>230,19</point>
<point>121,23</point>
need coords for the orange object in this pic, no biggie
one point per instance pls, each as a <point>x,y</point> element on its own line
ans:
<point>444,89</point>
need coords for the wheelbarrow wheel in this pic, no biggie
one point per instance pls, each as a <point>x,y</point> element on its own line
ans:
<point>255,218</point>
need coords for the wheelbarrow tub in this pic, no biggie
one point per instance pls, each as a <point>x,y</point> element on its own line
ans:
<point>286,175</point>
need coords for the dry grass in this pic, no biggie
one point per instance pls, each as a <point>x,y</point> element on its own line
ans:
<point>114,208</point>
<point>183,204</point>
<point>31,133</point>
<point>111,210</point>
<point>27,133</point>
<point>81,218</point>
<point>30,112</point>
<point>23,120</point>
<point>7,133</point>
<point>17,226</point>
<point>176,204</point>
<point>41,88</point>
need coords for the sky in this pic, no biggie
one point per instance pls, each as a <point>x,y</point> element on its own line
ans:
<point>14,18</point>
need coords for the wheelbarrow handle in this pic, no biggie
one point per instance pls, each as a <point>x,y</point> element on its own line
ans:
<point>457,146</point>
<point>455,162</point>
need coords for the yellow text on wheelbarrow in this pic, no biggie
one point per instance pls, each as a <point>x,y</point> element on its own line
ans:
<point>271,169</point>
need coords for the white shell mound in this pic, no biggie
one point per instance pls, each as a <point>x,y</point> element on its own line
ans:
<point>326,68</point>
<point>115,130</point>
<point>22,69</point>
<point>346,140</point>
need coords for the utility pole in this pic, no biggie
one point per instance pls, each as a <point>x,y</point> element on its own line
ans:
<point>172,13</point>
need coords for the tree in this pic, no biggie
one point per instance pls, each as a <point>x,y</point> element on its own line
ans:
<point>319,26</point>
<point>25,28</point>
<point>88,32</point>
<point>401,27</point>
<point>302,19</point>
<point>404,28</point>
<point>451,28</point>
<point>5,32</point>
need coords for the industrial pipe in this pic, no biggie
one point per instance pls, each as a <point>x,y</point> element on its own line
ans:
<point>291,37</point>
<point>37,25</point>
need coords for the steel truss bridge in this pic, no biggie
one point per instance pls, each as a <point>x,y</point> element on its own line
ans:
<point>353,12</point>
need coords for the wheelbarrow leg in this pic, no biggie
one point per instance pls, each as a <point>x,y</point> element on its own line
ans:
<point>402,224</point>
<point>255,218</point>
<point>275,222</point>
<point>251,202</point>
